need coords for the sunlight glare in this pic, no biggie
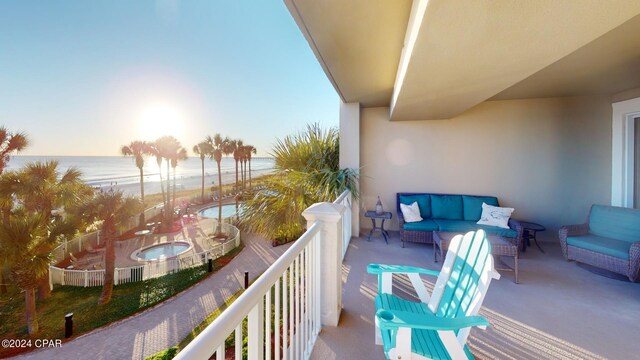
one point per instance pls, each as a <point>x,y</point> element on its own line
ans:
<point>159,119</point>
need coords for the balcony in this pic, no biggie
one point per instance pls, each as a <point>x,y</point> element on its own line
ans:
<point>558,311</point>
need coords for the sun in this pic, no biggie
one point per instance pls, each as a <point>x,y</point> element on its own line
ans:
<point>160,118</point>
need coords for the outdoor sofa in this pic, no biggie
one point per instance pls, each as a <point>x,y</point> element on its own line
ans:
<point>450,213</point>
<point>610,239</point>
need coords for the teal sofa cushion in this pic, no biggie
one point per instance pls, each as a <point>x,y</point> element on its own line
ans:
<point>615,222</point>
<point>472,206</point>
<point>424,203</point>
<point>424,225</point>
<point>601,244</point>
<point>495,230</point>
<point>447,207</point>
<point>460,226</point>
<point>463,226</point>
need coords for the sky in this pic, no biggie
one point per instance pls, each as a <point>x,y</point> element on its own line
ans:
<point>86,77</point>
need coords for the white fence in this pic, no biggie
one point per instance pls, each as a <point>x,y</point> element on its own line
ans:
<point>286,306</point>
<point>149,270</point>
<point>345,200</point>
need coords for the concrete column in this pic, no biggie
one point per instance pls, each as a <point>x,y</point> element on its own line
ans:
<point>350,151</point>
<point>329,216</point>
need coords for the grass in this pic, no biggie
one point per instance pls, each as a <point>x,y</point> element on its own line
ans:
<point>127,300</point>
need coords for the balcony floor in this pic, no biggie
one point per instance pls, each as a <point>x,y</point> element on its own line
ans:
<point>558,311</point>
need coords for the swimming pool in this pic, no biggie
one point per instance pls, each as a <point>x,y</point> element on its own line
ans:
<point>212,212</point>
<point>161,251</point>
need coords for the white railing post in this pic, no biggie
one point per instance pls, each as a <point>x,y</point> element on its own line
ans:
<point>86,278</point>
<point>115,275</point>
<point>255,332</point>
<point>50,278</point>
<point>330,218</point>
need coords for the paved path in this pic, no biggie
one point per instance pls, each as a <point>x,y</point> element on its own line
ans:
<point>167,324</point>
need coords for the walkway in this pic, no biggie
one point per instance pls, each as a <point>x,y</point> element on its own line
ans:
<point>167,324</point>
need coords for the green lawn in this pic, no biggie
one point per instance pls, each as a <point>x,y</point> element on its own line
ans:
<point>127,300</point>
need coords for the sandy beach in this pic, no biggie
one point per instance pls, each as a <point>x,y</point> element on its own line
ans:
<point>185,183</point>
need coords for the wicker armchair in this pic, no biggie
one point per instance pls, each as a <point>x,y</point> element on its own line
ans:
<point>630,268</point>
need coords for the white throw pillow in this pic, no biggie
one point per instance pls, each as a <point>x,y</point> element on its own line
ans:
<point>411,212</point>
<point>495,216</point>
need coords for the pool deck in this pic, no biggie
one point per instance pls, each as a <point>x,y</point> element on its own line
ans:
<point>194,233</point>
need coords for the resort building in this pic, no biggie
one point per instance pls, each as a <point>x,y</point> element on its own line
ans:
<point>533,102</point>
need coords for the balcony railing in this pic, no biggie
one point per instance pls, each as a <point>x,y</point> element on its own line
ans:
<point>283,310</point>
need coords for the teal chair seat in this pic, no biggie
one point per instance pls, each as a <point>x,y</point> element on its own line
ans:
<point>426,343</point>
<point>462,226</point>
<point>601,244</point>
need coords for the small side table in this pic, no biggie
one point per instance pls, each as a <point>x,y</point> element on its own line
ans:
<point>529,230</point>
<point>373,216</point>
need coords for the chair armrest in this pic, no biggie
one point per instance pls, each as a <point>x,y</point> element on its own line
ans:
<point>388,319</point>
<point>634,261</point>
<point>379,269</point>
<point>570,230</point>
<point>515,225</point>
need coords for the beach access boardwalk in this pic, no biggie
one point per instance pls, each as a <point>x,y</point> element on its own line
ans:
<point>166,324</point>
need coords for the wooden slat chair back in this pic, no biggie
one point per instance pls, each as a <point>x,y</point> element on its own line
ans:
<point>438,326</point>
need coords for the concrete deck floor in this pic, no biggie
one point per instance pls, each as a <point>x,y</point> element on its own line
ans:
<point>558,311</point>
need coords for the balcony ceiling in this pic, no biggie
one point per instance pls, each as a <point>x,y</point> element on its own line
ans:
<point>358,43</point>
<point>466,52</point>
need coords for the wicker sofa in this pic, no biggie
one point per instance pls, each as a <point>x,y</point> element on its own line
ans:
<point>610,239</point>
<point>450,213</point>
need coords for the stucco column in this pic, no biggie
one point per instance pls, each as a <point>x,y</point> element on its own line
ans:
<point>350,151</point>
<point>330,251</point>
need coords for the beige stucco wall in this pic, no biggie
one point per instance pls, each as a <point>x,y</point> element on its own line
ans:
<point>548,158</point>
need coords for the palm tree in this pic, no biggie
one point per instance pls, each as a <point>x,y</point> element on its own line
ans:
<point>41,188</point>
<point>114,210</point>
<point>156,152</point>
<point>307,166</point>
<point>8,183</point>
<point>218,147</point>
<point>168,147</point>
<point>10,142</point>
<point>26,243</point>
<point>180,154</point>
<point>250,149</point>
<point>236,147</point>
<point>138,150</point>
<point>204,149</point>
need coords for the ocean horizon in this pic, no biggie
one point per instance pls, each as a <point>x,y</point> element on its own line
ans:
<point>120,171</point>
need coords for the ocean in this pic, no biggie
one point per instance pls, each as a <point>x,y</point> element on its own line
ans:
<point>121,172</point>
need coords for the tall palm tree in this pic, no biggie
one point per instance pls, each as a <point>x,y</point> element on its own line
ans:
<point>218,147</point>
<point>180,154</point>
<point>204,149</point>
<point>307,166</point>
<point>250,149</point>
<point>41,188</point>
<point>154,150</point>
<point>138,150</point>
<point>26,243</point>
<point>114,210</point>
<point>168,147</point>
<point>236,146</point>
<point>10,142</point>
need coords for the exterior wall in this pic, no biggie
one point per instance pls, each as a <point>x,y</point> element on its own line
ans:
<point>350,150</point>
<point>550,159</point>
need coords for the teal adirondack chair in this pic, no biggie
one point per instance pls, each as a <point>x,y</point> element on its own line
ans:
<point>438,326</point>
